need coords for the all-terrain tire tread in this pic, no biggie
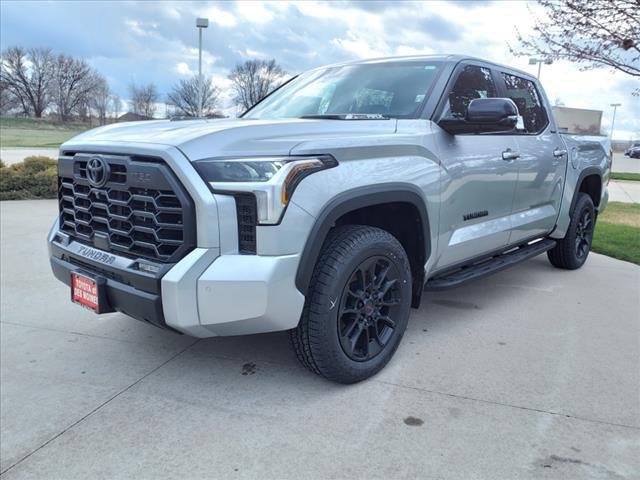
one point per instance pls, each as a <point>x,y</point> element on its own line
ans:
<point>305,339</point>
<point>563,254</point>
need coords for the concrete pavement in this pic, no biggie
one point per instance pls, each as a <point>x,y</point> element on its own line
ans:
<point>533,373</point>
<point>624,191</point>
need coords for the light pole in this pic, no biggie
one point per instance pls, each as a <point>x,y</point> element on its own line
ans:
<point>613,120</point>
<point>200,24</point>
<point>540,61</point>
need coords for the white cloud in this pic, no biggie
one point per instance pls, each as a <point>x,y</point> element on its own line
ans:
<point>317,9</point>
<point>359,47</point>
<point>137,28</point>
<point>253,53</point>
<point>183,69</point>
<point>172,12</point>
<point>221,17</point>
<point>255,12</point>
<point>407,50</point>
<point>220,80</point>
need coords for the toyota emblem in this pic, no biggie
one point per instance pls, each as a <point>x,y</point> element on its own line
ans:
<point>97,171</point>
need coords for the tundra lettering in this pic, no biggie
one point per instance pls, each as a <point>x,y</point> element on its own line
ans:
<point>96,255</point>
<point>471,216</point>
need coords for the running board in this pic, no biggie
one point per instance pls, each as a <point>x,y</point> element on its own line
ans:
<point>495,264</point>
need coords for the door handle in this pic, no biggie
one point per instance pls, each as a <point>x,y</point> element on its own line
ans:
<point>509,154</point>
<point>559,152</point>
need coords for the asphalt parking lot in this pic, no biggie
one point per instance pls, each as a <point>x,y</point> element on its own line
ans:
<point>625,164</point>
<point>531,373</point>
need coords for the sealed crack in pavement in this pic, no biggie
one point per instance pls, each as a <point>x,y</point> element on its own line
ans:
<point>554,461</point>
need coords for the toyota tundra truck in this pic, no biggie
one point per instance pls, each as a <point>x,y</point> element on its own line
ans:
<point>327,208</point>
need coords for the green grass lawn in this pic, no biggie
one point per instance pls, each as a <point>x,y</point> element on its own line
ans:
<point>634,177</point>
<point>618,232</point>
<point>31,132</point>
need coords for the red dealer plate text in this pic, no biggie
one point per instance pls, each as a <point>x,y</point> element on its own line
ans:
<point>84,291</point>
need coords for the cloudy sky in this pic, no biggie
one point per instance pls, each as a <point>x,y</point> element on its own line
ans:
<point>157,41</point>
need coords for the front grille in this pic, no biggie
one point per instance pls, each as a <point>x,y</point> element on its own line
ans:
<point>141,211</point>
<point>246,210</point>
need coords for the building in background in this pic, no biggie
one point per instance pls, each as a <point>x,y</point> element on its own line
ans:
<point>578,120</point>
<point>622,145</point>
<point>132,117</point>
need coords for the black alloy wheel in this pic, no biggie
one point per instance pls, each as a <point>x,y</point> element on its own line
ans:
<point>370,302</point>
<point>584,233</point>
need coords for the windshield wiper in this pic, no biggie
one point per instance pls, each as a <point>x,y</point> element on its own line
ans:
<point>348,116</point>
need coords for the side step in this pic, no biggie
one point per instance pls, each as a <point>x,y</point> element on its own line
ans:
<point>456,278</point>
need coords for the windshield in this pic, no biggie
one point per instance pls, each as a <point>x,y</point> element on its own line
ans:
<point>391,89</point>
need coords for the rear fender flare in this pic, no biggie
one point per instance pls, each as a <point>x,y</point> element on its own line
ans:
<point>584,174</point>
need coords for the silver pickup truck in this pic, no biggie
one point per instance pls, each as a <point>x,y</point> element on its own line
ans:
<point>329,207</point>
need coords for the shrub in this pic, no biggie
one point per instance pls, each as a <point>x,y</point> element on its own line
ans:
<point>35,177</point>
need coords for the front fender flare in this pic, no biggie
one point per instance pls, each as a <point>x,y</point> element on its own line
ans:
<point>353,200</point>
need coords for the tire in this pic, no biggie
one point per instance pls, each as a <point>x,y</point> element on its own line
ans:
<point>354,317</point>
<point>572,251</point>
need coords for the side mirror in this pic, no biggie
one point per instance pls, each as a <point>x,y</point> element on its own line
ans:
<point>484,115</point>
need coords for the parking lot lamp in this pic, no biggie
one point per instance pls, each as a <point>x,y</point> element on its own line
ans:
<point>540,61</point>
<point>613,120</point>
<point>200,24</point>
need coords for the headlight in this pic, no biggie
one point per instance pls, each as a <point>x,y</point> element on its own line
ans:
<point>271,179</point>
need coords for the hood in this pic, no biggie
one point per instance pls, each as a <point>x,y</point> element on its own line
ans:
<point>236,137</point>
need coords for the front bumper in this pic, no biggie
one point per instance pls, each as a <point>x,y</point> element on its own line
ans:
<point>211,291</point>
<point>203,295</point>
<point>121,297</point>
<point>207,295</point>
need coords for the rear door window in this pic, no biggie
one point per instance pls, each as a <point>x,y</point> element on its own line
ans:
<point>525,95</point>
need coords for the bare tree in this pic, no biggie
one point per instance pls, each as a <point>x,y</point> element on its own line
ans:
<point>253,80</point>
<point>73,85</point>
<point>593,33</point>
<point>186,96</point>
<point>9,103</point>
<point>83,110</point>
<point>27,75</point>
<point>116,106</point>
<point>143,99</point>
<point>100,99</point>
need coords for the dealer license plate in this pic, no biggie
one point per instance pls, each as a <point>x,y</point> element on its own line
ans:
<point>84,291</point>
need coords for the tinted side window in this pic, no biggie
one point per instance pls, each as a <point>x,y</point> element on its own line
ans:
<point>473,82</point>
<point>524,94</point>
